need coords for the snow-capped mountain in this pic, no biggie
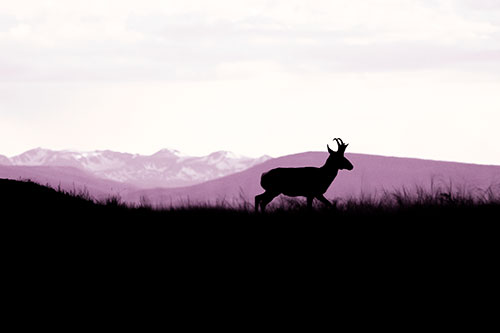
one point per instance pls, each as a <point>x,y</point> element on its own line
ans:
<point>165,168</point>
<point>4,160</point>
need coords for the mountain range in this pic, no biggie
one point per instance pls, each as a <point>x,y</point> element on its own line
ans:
<point>169,177</point>
<point>165,168</point>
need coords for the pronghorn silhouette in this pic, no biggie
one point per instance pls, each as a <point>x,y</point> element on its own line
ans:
<point>309,182</point>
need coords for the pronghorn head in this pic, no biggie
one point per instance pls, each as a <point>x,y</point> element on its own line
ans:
<point>337,159</point>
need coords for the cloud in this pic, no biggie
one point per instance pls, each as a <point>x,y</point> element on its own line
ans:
<point>173,40</point>
<point>483,5</point>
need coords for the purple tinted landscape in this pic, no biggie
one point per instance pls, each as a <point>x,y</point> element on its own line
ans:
<point>170,178</point>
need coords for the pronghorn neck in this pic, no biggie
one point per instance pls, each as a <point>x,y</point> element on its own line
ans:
<point>330,171</point>
<point>330,166</point>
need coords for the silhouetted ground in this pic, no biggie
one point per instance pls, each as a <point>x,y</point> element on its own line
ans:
<point>365,251</point>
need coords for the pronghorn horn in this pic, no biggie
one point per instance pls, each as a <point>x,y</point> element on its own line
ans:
<point>341,145</point>
<point>338,142</point>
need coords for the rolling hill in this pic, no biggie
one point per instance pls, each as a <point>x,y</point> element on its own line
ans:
<point>370,177</point>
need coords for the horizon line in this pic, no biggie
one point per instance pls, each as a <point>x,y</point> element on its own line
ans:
<point>182,154</point>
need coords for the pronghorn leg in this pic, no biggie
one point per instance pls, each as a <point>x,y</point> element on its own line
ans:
<point>264,199</point>
<point>324,200</point>
<point>258,199</point>
<point>310,203</point>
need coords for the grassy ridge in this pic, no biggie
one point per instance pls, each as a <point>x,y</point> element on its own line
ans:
<point>25,199</point>
<point>361,240</point>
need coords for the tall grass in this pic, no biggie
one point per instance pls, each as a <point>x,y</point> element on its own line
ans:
<point>444,201</point>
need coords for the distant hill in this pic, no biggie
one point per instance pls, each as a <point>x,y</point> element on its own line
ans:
<point>4,160</point>
<point>371,176</point>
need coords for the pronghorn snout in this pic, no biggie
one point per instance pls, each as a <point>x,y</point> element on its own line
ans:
<point>349,167</point>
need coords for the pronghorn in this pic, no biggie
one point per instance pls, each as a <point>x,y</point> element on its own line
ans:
<point>309,182</point>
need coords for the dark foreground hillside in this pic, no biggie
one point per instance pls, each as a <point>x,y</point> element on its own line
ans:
<point>405,250</point>
<point>400,213</point>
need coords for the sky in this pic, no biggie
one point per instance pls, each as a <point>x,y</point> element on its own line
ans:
<point>391,77</point>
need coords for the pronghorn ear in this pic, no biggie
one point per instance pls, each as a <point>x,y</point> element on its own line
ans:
<point>329,150</point>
